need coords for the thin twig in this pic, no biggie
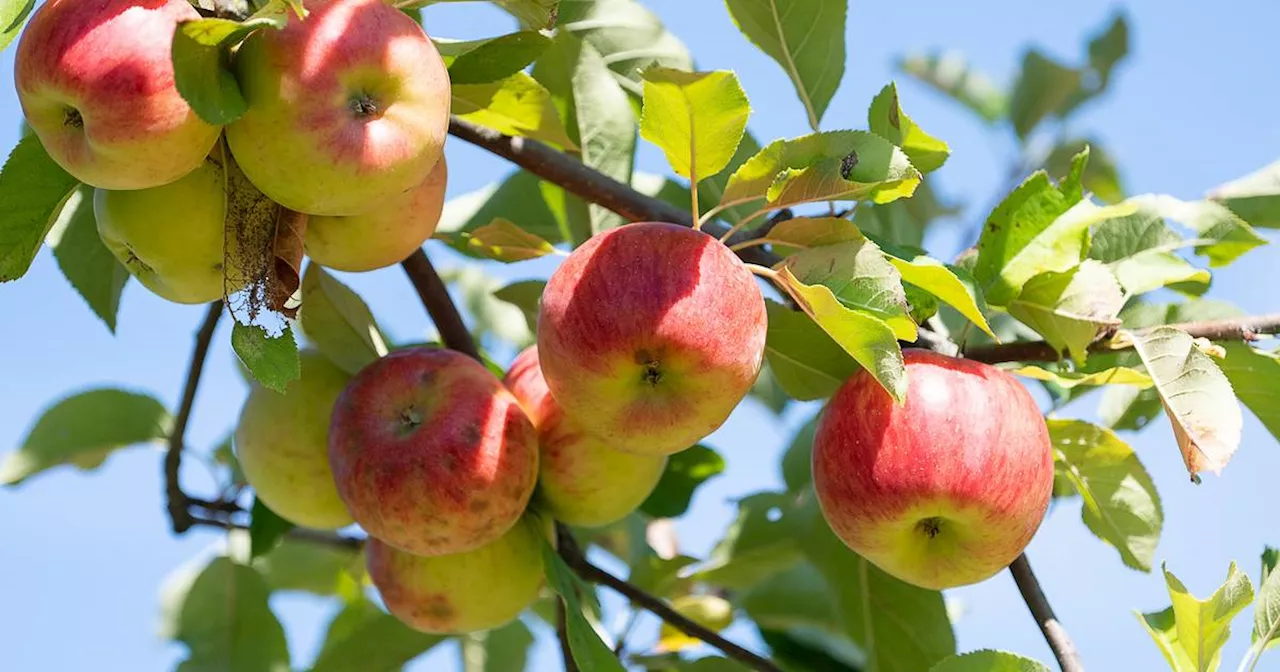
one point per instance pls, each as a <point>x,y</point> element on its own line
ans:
<point>574,557</point>
<point>562,634</point>
<point>300,533</point>
<point>435,296</point>
<point>623,634</point>
<point>1063,648</point>
<point>1240,329</point>
<point>177,501</point>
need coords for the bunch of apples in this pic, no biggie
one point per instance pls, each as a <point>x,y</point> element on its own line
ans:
<point>348,113</point>
<point>649,335</point>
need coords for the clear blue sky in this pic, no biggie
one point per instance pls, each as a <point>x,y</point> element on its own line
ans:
<point>82,556</point>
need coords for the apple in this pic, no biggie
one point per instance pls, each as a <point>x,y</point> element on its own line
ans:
<point>474,590</point>
<point>383,236</point>
<point>649,335</point>
<point>172,238</point>
<point>945,490</point>
<point>581,480</point>
<point>431,453</point>
<point>348,107</point>
<point>95,81</point>
<point>282,443</point>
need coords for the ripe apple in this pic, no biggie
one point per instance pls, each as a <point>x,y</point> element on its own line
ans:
<point>282,443</point>
<point>383,236</point>
<point>348,107</point>
<point>581,480</point>
<point>431,453</point>
<point>649,335</point>
<point>95,81</point>
<point>171,237</point>
<point>945,490</point>
<point>474,590</point>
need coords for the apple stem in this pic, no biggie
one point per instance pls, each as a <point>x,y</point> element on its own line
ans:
<point>764,272</point>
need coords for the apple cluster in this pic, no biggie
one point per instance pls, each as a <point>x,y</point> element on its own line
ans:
<point>348,113</point>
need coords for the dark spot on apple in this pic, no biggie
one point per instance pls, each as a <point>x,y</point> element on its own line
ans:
<point>472,434</point>
<point>71,117</point>
<point>478,506</point>
<point>931,527</point>
<point>847,164</point>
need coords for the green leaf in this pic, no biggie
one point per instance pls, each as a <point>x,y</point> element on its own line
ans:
<point>1164,631</point>
<point>1203,626</point>
<point>807,363</point>
<point>1121,506</point>
<point>532,14</point>
<point>1196,395</point>
<point>686,470</point>
<point>84,429</point>
<point>711,190</point>
<point>902,628</point>
<point>266,529</point>
<point>904,221</point>
<point>13,14</point>
<point>861,278</point>
<point>1225,236</point>
<point>1070,308</point>
<point>1043,86</point>
<point>1266,613</point>
<point>521,197</point>
<point>363,637</point>
<point>273,361</point>
<point>801,233</point>
<point>1139,249</point>
<point>492,59</point>
<point>589,651</point>
<point>305,566</point>
<point>1253,374</point>
<point>501,240</point>
<point>338,322</point>
<point>836,165</point>
<point>1101,177</point>
<point>489,316</point>
<point>797,597</point>
<point>768,392</point>
<point>696,118</point>
<point>989,661</point>
<point>226,623</point>
<point>805,37</point>
<point>524,295</point>
<point>505,649</point>
<point>659,576</point>
<point>867,339</point>
<point>954,286</point>
<point>515,105</point>
<point>628,36</point>
<point>86,263</point>
<point>951,74</point>
<point>757,544</point>
<point>1254,197</point>
<point>202,71</point>
<point>1116,375</point>
<point>33,189</point>
<point>797,461</point>
<point>886,119</point>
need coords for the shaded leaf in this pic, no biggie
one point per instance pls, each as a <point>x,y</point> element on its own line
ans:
<point>807,363</point>
<point>1253,374</point>
<point>756,545</point>
<point>266,529</point>
<point>1197,398</point>
<point>904,221</point>
<point>202,71</point>
<point>1070,308</point>
<point>657,575</point>
<point>628,36</point>
<point>504,649</point>
<point>685,471</point>
<point>520,197</point>
<point>797,461</point>
<point>696,118</point>
<point>989,661</point>
<point>769,392</point>
<point>273,361</point>
<point>524,295</point>
<point>532,14</point>
<point>1254,197</point>
<point>33,189</point>
<point>501,240</point>
<point>953,286</point>
<point>515,105</point>
<point>492,59</point>
<point>1121,506</point>
<point>84,429</point>
<point>226,623</point>
<point>805,37</point>
<point>589,651</point>
<point>1043,86</point>
<point>363,637</point>
<point>794,598</point>
<point>1266,613</point>
<point>300,565</point>
<point>1101,176</point>
<point>338,321</point>
<point>860,277</point>
<point>886,119</point>
<point>85,261</point>
<point>951,74</point>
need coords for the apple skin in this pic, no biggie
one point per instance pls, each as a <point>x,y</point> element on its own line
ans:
<point>581,480</point>
<point>172,237</point>
<point>431,453</point>
<point>649,335</point>
<point>348,107</point>
<point>95,81</point>
<point>945,490</point>
<point>475,590</point>
<point>383,236</point>
<point>282,443</point>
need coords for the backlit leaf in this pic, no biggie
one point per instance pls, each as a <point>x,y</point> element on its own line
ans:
<point>989,661</point>
<point>273,360</point>
<point>1224,235</point>
<point>503,649</point>
<point>1266,612</point>
<point>501,240</point>
<point>13,14</point>
<point>801,233</point>
<point>1164,631</point>
<point>1203,626</point>
<point>1070,308</point>
<point>338,321</point>
<point>860,276</point>
<point>33,189</point>
<point>1253,374</point>
<point>696,118</point>
<point>1254,197</point>
<point>953,286</point>
<point>1117,375</point>
<point>515,105</point>
<point>951,74</point>
<point>886,119</point>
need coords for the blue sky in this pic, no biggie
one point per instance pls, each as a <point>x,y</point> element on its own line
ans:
<point>82,555</point>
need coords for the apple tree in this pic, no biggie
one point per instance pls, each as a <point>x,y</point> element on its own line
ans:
<point>489,486</point>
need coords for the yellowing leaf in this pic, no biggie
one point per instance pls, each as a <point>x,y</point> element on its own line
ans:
<point>697,118</point>
<point>516,105</point>
<point>503,240</point>
<point>1069,309</point>
<point>1196,395</point>
<point>860,277</point>
<point>802,233</point>
<point>1203,626</point>
<point>886,119</point>
<point>1164,631</point>
<point>945,283</point>
<point>867,339</point>
<point>1121,506</point>
<point>807,363</point>
<point>709,611</point>
<point>1116,375</point>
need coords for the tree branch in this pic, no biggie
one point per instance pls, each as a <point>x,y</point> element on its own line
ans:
<point>179,515</point>
<point>591,185</point>
<point>300,533</point>
<point>562,634</point>
<point>1063,648</point>
<point>574,557</point>
<point>1241,329</point>
<point>435,296</point>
